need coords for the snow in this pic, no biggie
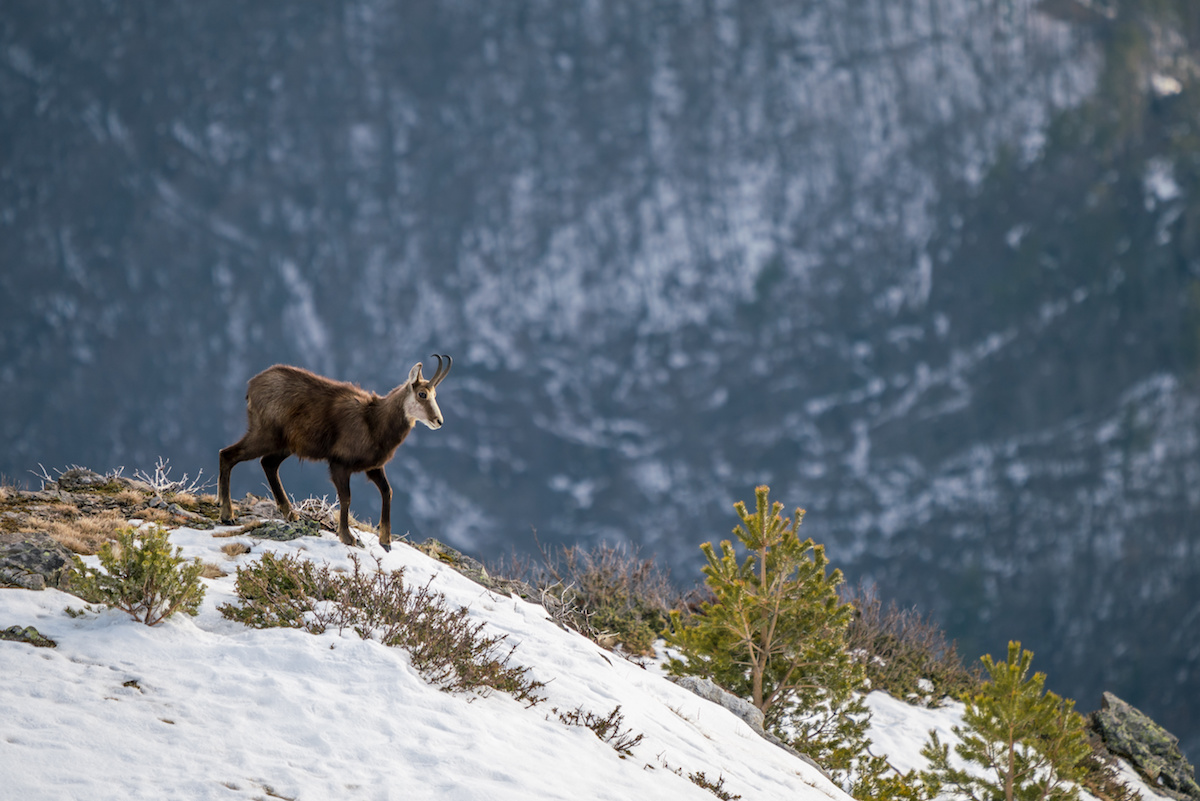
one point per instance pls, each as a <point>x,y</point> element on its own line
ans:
<point>204,708</point>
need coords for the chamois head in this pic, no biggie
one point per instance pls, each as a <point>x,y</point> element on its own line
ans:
<point>421,403</point>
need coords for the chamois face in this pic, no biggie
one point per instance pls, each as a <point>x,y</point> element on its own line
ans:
<point>421,403</point>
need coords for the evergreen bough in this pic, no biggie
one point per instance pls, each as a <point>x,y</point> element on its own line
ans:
<point>1030,744</point>
<point>142,576</point>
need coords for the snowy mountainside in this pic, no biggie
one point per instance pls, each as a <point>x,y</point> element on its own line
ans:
<point>206,708</point>
<point>929,268</point>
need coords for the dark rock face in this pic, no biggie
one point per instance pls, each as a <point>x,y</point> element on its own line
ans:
<point>33,561</point>
<point>1153,750</point>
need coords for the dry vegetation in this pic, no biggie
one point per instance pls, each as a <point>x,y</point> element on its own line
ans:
<point>906,653</point>
<point>86,533</point>
<point>325,513</point>
<point>610,594</point>
<point>82,509</point>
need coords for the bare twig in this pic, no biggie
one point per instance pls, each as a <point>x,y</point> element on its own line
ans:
<point>162,483</point>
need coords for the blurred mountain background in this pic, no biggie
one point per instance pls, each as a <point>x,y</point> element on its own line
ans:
<point>929,268</point>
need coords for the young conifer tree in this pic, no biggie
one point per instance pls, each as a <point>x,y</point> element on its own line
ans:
<point>1031,745</point>
<point>141,576</point>
<point>774,633</point>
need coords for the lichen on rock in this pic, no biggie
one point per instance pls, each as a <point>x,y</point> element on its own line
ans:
<point>1151,749</point>
<point>33,561</point>
<point>27,634</point>
<point>283,531</point>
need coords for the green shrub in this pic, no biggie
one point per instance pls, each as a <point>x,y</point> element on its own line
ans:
<point>142,576</point>
<point>1030,744</point>
<point>280,592</point>
<point>445,646</point>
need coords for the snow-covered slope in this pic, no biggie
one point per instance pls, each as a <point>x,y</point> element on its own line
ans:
<point>205,708</point>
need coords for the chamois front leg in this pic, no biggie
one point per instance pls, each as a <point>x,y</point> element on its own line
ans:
<point>341,482</point>
<point>385,513</point>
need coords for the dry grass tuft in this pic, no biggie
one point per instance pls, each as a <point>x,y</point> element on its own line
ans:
<point>211,571</point>
<point>152,514</point>
<point>234,549</point>
<point>85,534</point>
<point>130,497</point>
<point>361,525</point>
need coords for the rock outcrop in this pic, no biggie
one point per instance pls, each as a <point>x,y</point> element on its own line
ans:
<point>33,561</point>
<point>1151,749</point>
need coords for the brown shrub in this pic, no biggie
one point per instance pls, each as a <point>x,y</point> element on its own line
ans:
<point>900,648</point>
<point>609,594</point>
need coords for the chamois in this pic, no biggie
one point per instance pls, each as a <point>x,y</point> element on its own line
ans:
<point>294,412</point>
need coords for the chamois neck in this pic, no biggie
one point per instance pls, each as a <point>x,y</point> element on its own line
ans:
<point>395,420</point>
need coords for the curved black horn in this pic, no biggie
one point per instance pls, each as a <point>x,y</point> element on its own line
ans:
<point>440,373</point>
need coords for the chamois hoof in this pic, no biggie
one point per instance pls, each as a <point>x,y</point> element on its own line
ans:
<point>228,521</point>
<point>387,546</point>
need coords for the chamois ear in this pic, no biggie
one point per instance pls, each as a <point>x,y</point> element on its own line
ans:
<point>414,375</point>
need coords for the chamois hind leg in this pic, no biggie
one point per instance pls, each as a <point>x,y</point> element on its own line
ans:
<point>270,465</point>
<point>385,513</point>
<point>341,482</point>
<point>235,454</point>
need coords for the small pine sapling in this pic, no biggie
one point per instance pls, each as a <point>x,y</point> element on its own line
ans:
<point>141,576</point>
<point>1031,744</point>
<point>774,632</point>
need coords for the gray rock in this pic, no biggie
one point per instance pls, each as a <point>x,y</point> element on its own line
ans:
<point>473,569</point>
<point>710,691</point>
<point>1150,748</point>
<point>33,561</point>
<point>177,510</point>
<point>29,635</point>
<point>80,478</point>
<point>262,508</point>
<point>283,531</point>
